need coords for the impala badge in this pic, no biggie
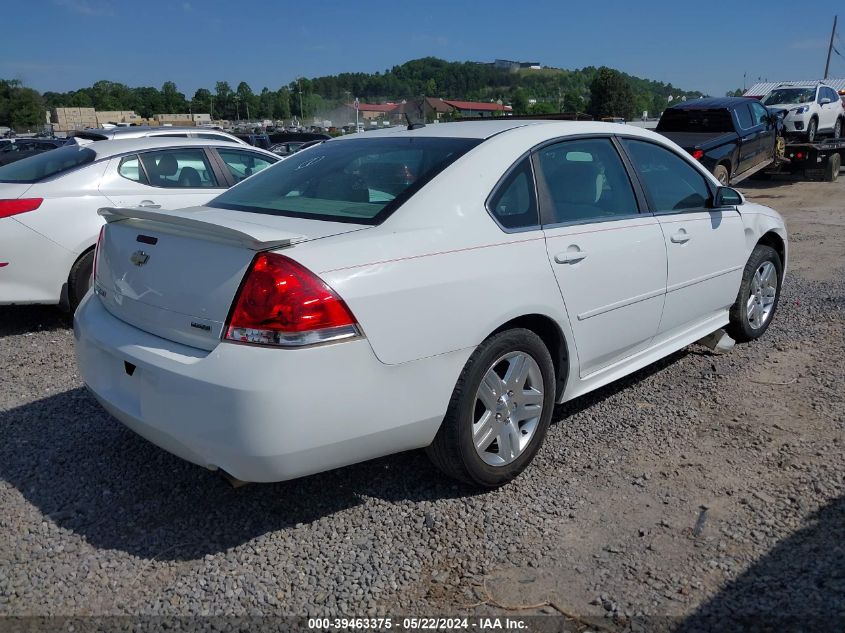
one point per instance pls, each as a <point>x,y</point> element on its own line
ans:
<point>139,258</point>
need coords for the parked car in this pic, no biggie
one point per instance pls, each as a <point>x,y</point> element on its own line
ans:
<point>732,137</point>
<point>49,202</point>
<point>144,131</point>
<point>441,287</point>
<point>15,149</point>
<point>810,110</point>
<point>256,140</point>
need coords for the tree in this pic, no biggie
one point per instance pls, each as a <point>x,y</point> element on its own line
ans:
<point>542,107</point>
<point>281,109</point>
<point>735,93</point>
<point>247,100</point>
<point>173,101</point>
<point>519,101</point>
<point>573,102</point>
<point>224,100</point>
<point>201,101</point>
<point>611,95</point>
<point>27,109</point>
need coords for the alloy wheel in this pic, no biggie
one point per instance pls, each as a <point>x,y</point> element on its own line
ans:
<point>761,299</point>
<point>508,407</point>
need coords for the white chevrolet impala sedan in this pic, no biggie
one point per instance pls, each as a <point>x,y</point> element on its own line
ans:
<point>440,287</point>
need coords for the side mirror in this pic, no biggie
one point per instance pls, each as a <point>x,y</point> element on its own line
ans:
<point>824,101</point>
<point>727,197</point>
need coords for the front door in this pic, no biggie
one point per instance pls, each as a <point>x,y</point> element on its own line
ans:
<point>705,245</point>
<point>609,259</point>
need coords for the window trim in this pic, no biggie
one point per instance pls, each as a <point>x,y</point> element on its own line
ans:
<point>544,199</point>
<point>688,160</point>
<point>501,183</point>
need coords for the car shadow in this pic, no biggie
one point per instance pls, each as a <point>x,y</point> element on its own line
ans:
<point>799,585</point>
<point>88,473</point>
<point>17,320</point>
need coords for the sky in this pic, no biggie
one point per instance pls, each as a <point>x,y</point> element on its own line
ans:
<point>709,46</point>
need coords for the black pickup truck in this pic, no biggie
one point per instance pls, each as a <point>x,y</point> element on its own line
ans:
<point>733,137</point>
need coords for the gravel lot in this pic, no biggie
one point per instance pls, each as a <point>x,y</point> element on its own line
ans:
<point>704,486</point>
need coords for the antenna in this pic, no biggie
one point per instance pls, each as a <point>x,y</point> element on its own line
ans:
<point>830,47</point>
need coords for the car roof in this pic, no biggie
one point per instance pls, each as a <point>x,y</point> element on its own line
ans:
<point>712,103</point>
<point>484,129</point>
<point>122,146</point>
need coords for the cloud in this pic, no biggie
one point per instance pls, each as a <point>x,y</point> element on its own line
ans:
<point>92,8</point>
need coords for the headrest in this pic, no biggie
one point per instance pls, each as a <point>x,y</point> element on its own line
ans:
<point>167,165</point>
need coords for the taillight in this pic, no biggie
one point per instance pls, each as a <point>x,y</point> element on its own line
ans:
<point>97,250</point>
<point>18,205</point>
<point>698,154</point>
<point>280,302</point>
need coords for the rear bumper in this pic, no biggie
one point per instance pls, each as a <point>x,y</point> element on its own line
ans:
<point>262,414</point>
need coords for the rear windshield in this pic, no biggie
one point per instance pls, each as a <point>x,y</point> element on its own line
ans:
<point>695,121</point>
<point>360,180</point>
<point>47,164</point>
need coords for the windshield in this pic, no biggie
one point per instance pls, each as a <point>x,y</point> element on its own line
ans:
<point>790,95</point>
<point>683,120</point>
<point>47,164</point>
<point>361,180</point>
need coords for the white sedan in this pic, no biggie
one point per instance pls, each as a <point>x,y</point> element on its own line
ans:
<point>441,287</point>
<point>48,203</point>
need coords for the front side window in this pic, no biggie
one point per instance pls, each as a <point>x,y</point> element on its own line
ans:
<point>671,182</point>
<point>178,169</point>
<point>584,180</point>
<point>357,180</point>
<point>761,115</point>
<point>243,164</point>
<point>514,204</point>
<point>47,164</point>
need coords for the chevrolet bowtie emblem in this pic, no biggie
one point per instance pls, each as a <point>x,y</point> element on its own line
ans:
<point>139,258</point>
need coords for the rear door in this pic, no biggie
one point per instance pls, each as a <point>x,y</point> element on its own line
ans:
<point>705,246</point>
<point>170,178</point>
<point>609,259</point>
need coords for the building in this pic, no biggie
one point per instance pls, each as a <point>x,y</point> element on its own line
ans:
<point>181,119</point>
<point>512,66</point>
<point>760,90</point>
<point>469,109</point>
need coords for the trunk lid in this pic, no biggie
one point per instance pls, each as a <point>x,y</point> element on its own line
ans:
<point>175,273</point>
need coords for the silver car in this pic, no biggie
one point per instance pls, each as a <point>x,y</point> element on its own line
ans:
<point>142,131</point>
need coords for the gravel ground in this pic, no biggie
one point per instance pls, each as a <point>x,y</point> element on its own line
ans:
<point>704,486</point>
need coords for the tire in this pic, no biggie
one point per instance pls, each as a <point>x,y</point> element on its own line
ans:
<point>812,130</point>
<point>79,280</point>
<point>837,129</point>
<point>831,169</point>
<point>722,175</point>
<point>454,450</point>
<point>755,297</point>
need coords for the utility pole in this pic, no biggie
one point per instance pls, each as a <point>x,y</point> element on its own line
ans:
<point>830,48</point>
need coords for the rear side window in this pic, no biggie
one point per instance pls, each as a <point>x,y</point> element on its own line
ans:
<point>243,164</point>
<point>672,183</point>
<point>178,169</point>
<point>47,164</point>
<point>358,180</point>
<point>130,168</point>
<point>514,204</point>
<point>584,180</point>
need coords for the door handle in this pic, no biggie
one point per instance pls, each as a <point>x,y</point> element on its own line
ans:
<point>570,257</point>
<point>681,237</point>
<point>149,204</point>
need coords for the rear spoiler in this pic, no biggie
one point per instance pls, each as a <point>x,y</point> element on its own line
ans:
<point>251,236</point>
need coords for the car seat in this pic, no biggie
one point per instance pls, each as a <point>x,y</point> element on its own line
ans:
<point>190,177</point>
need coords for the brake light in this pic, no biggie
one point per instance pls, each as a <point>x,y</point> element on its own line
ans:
<point>698,154</point>
<point>97,249</point>
<point>18,205</point>
<point>280,302</point>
